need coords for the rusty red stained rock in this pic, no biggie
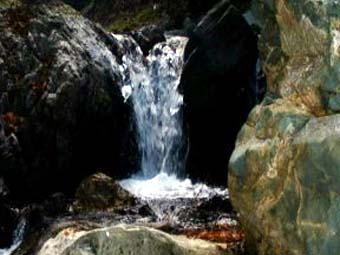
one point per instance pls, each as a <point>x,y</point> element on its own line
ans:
<point>222,235</point>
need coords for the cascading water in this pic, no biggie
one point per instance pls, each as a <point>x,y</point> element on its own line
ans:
<point>151,84</point>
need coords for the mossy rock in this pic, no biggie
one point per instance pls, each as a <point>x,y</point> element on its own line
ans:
<point>131,21</point>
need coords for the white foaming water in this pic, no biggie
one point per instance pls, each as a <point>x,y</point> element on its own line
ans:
<point>164,186</point>
<point>152,83</point>
<point>18,236</point>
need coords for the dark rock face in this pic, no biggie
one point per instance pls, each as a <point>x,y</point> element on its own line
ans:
<point>7,224</point>
<point>63,116</point>
<point>149,36</point>
<point>220,62</point>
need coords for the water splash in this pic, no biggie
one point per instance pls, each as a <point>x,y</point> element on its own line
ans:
<point>152,85</point>
<point>18,236</point>
<point>169,187</point>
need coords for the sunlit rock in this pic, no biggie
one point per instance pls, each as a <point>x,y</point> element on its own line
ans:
<point>284,172</point>
<point>125,240</point>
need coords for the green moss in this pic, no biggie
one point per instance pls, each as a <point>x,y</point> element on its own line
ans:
<point>8,3</point>
<point>129,21</point>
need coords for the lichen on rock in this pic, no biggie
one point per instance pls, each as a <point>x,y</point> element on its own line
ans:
<point>283,171</point>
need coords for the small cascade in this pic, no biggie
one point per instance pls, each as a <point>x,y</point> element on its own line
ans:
<point>152,84</point>
<point>18,237</point>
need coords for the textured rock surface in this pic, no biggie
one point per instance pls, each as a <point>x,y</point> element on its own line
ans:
<point>284,172</point>
<point>149,36</point>
<point>123,240</point>
<point>62,114</point>
<point>100,192</point>
<point>217,87</point>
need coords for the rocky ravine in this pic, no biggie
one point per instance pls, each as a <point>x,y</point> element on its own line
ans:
<point>284,173</point>
<point>62,117</point>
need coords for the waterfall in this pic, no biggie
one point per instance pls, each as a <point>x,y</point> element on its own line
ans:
<point>152,84</point>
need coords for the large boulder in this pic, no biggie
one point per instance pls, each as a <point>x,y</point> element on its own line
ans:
<point>284,173</point>
<point>217,81</point>
<point>62,113</point>
<point>124,240</point>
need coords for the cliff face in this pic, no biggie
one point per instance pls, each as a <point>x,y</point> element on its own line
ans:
<point>284,173</point>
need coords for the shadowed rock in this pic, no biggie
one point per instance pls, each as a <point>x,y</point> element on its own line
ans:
<point>62,111</point>
<point>217,86</point>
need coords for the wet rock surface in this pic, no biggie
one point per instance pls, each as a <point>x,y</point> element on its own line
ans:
<point>201,220</point>
<point>101,203</point>
<point>209,219</point>
<point>217,79</point>
<point>284,172</point>
<point>149,36</point>
<point>62,113</point>
<point>100,192</point>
